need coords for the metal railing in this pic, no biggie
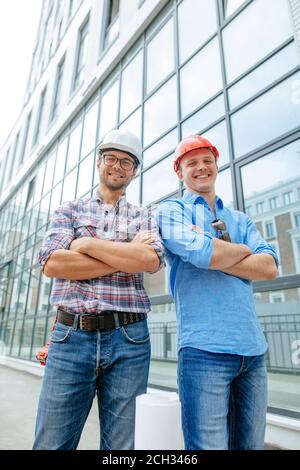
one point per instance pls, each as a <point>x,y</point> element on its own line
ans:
<point>282,333</point>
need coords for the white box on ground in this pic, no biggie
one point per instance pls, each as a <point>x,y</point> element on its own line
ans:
<point>158,422</point>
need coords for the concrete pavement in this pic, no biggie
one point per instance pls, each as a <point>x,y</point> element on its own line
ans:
<point>19,393</point>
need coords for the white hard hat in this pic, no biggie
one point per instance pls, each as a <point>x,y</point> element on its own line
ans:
<point>124,140</point>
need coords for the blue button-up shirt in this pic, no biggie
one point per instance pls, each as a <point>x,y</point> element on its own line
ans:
<point>215,311</point>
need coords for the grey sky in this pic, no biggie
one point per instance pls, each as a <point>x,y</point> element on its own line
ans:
<point>19,21</point>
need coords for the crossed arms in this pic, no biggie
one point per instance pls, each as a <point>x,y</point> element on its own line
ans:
<point>89,258</point>
<point>238,260</point>
<point>252,260</point>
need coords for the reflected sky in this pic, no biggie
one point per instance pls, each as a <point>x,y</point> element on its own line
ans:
<point>201,78</point>
<point>134,123</point>
<point>271,170</point>
<point>247,39</point>
<point>269,116</point>
<point>131,87</point>
<point>160,56</point>
<point>109,108</point>
<point>89,130</point>
<point>160,111</point>
<point>163,185</point>
<point>224,188</point>
<point>191,36</point>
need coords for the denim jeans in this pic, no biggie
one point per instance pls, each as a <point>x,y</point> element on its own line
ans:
<point>112,363</point>
<point>223,400</point>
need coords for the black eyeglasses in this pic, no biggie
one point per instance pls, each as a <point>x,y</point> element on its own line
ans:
<point>220,227</point>
<point>125,163</point>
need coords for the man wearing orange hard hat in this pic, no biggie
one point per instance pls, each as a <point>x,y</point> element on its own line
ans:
<point>214,254</point>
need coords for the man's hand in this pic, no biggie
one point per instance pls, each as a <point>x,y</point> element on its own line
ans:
<point>78,244</point>
<point>143,237</point>
<point>197,229</point>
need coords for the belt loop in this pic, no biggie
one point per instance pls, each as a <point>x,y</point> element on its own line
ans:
<point>75,322</point>
<point>117,322</point>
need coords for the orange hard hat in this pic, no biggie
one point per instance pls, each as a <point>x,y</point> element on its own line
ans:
<point>191,143</point>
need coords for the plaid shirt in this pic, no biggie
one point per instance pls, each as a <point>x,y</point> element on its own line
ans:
<point>90,217</point>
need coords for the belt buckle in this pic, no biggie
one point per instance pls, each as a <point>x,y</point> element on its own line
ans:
<point>82,322</point>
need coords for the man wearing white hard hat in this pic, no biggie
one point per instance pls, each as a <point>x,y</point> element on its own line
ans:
<point>96,249</point>
<point>214,254</point>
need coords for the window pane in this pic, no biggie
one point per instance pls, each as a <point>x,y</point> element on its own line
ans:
<point>160,60</point>
<point>224,188</point>
<point>85,175</point>
<point>38,336</point>
<point>69,186</point>
<point>44,209</point>
<point>165,178</point>
<point>196,86</point>
<point>218,136</point>
<point>74,147</point>
<point>82,54</point>
<point>39,184</point>
<point>201,119</point>
<point>49,173</point>
<point>191,34</point>
<point>255,40</point>
<point>271,176</point>
<point>231,6</point>
<point>60,161</point>
<point>163,334</point>
<point>26,339</point>
<point>160,112</point>
<point>108,110</point>
<point>161,148</point>
<point>279,315</point>
<point>133,191</point>
<point>89,130</point>
<point>55,199</point>
<point>33,291</point>
<point>131,88</point>
<point>17,338</point>
<point>134,123</point>
<point>264,75</point>
<point>269,233</point>
<point>276,107</point>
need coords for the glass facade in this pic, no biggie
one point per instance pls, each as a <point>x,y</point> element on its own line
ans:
<point>237,93</point>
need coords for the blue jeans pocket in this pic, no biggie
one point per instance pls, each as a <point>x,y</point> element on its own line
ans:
<point>136,333</point>
<point>61,333</point>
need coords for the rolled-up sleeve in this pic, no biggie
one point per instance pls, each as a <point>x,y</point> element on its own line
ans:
<point>179,238</point>
<point>59,235</point>
<point>149,223</point>
<point>257,243</point>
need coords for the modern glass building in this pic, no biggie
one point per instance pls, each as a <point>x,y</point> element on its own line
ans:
<point>228,69</point>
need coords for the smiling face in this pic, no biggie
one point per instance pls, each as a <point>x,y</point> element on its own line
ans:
<point>198,170</point>
<point>115,177</point>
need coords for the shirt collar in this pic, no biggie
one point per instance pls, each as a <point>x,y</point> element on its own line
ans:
<point>97,197</point>
<point>195,198</point>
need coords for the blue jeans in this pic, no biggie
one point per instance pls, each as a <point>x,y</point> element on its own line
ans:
<point>114,364</point>
<point>223,400</point>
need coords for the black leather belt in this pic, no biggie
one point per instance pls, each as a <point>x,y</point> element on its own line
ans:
<point>107,320</point>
